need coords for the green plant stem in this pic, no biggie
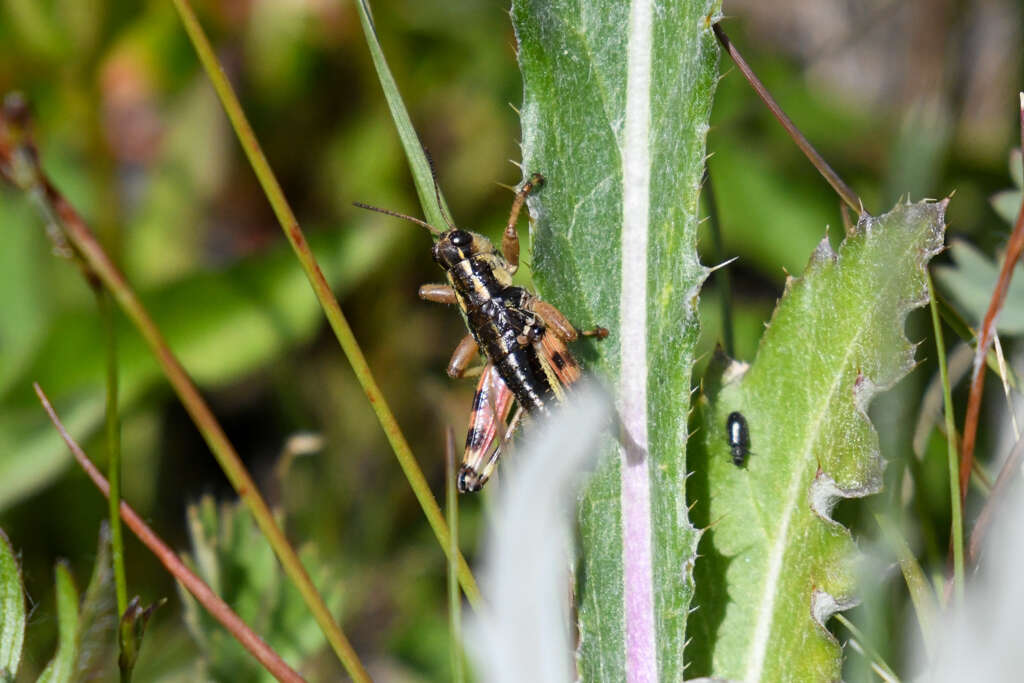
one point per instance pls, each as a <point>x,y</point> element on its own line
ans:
<point>113,434</point>
<point>331,307</point>
<point>454,598</point>
<point>872,654</point>
<point>1011,466</point>
<point>954,471</point>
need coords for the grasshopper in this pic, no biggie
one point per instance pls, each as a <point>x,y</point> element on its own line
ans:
<point>523,338</point>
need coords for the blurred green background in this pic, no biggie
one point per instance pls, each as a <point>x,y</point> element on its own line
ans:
<point>915,98</point>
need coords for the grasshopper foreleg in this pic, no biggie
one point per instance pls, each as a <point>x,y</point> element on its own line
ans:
<point>439,294</point>
<point>510,238</point>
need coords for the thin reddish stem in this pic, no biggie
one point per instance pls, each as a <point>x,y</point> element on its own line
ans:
<point>1014,248</point>
<point>1010,467</point>
<point>195,585</point>
<point>826,171</point>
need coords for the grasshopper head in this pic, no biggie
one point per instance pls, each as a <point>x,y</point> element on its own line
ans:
<point>458,245</point>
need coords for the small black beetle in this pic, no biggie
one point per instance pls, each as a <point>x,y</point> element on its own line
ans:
<point>738,435</point>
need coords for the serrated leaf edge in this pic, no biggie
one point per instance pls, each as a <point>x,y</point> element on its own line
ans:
<point>825,492</point>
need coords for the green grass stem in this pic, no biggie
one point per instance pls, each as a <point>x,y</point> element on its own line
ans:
<point>113,436</point>
<point>954,461</point>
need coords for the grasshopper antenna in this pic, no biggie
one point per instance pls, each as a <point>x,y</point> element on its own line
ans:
<point>437,189</point>
<point>433,231</point>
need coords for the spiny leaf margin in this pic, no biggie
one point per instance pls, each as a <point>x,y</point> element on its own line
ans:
<point>575,58</point>
<point>774,564</point>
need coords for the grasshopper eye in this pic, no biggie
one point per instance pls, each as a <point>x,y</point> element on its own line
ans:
<point>460,238</point>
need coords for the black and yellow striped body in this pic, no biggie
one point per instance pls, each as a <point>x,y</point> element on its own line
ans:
<point>497,319</point>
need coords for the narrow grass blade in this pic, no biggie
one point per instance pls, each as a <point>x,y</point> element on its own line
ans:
<point>454,596</point>
<point>430,196</point>
<point>526,632</point>
<point>956,496</point>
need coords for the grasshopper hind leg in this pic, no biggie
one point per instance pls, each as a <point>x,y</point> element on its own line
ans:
<point>487,431</point>
<point>559,324</point>
<point>470,479</point>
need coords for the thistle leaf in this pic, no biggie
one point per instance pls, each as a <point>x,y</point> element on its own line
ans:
<point>774,566</point>
<point>616,104</point>
<point>972,280</point>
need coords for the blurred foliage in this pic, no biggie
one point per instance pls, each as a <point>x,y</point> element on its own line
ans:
<point>229,554</point>
<point>130,131</point>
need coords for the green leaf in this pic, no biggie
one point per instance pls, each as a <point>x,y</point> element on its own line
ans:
<point>1007,204</point>
<point>222,325</point>
<point>229,553</point>
<point>971,281</point>
<point>98,630</point>
<point>1017,167</point>
<point>615,113</point>
<point>131,629</point>
<point>774,566</point>
<point>12,611</point>
<point>62,667</point>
